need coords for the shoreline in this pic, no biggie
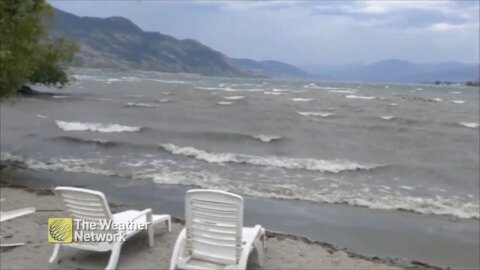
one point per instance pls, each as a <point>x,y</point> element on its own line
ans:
<point>285,241</point>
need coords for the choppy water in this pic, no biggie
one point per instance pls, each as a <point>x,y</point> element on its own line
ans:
<point>409,147</point>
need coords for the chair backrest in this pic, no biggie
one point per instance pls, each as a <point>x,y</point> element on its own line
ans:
<point>84,204</point>
<point>214,223</point>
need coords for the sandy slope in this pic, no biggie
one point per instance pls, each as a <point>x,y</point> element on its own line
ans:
<point>283,251</point>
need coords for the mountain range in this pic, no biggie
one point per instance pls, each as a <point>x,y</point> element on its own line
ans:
<point>117,43</point>
<point>401,71</point>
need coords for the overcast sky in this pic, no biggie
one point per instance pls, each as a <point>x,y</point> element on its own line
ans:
<point>310,32</point>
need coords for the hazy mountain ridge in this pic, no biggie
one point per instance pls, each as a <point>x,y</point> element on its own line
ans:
<point>272,68</point>
<point>116,42</point>
<point>395,70</point>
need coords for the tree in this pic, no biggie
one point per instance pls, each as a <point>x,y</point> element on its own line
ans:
<point>27,54</point>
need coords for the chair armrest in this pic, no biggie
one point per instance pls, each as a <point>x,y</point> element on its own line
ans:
<point>147,213</point>
<point>248,246</point>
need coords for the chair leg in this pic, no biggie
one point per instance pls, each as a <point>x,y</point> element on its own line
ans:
<point>151,238</point>
<point>264,240</point>
<point>54,257</point>
<point>260,256</point>
<point>169,224</point>
<point>112,263</point>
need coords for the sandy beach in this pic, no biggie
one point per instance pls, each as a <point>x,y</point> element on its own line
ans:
<point>283,250</point>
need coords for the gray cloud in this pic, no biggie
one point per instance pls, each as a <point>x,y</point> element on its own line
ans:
<point>302,32</point>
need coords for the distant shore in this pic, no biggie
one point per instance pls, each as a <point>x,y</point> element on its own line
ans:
<point>284,250</point>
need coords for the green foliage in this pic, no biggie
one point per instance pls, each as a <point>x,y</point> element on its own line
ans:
<point>27,55</point>
<point>50,61</point>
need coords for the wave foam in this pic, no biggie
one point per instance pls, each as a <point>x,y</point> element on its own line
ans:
<point>224,103</point>
<point>387,117</point>
<point>272,93</point>
<point>315,114</point>
<point>96,127</point>
<point>161,172</point>
<point>280,162</point>
<point>458,101</point>
<point>468,124</point>
<point>302,99</point>
<point>229,89</point>
<point>76,165</point>
<point>360,97</point>
<point>343,91</point>
<point>169,81</point>
<point>132,104</point>
<point>266,138</point>
<point>234,97</point>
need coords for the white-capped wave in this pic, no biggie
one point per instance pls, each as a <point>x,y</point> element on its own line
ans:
<point>455,92</point>
<point>135,96</point>
<point>279,90</point>
<point>458,101</point>
<point>437,99</point>
<point>169,81</point>
<point>224,103</point>
<point>234,97</point>
<point>381,199</point>
<point>302,99</point>
<point>321,114</point>
<point>335,166</point>
<point>89,165</point>
<point>41,116</point>
<point>166,172</point>
<point>314,86</point>
<point>468,124</point>
<point>96,127</point>
<point>393,104</point>
<point>87,77</point>
<point>360,97</point>
<point>407,187</point>
<point>343,91</point>
<point>229,89</point>
<point>272,93</point>
<point>387,117</point>
<point>60,96</point>
<point>266,138</point>
<point>140,104</point>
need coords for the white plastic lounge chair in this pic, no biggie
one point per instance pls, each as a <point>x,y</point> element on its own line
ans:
<point>7,215</point>
<point>10,245</point>
<point>214,236</point>
<point>90,205</point>
<point>4,216</point>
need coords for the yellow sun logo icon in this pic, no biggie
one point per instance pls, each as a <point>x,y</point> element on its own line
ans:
<point>60,230</point>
